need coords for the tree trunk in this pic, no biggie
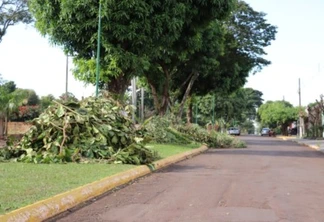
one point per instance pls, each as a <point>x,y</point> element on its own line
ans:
<point>117,86</point>
<point>161,98</point>
<point>284,129</point>
<point>161,102</point>
<point>1,127</point>
<point>6,126</point>
<point>189,111</point>
<point>187,93</point>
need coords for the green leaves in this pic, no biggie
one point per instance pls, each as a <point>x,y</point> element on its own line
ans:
<point>94,128</point>
<point>12,12</point>
<point>277,113</point>
<point>60,111</point>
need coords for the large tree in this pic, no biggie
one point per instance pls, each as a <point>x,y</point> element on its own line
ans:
<point>136,35</point>
<point>231,50</point>
<point>278,114</point>
<point>237,107</point>
<point>12,12</point>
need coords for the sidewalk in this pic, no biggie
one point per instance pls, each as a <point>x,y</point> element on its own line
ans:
<point>312,143</point>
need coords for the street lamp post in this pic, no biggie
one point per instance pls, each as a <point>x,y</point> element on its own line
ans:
<point>98,51</point>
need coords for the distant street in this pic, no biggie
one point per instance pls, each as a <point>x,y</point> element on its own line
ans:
<point>271,180</point>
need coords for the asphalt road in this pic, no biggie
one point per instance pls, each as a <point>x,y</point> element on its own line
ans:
<point>271,180</point>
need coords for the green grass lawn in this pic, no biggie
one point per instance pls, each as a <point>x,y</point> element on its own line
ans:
<point>24,183</point>
<point>166,150</point>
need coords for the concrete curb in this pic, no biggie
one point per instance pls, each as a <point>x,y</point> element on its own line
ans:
<point>301,143</point>
<point>50,207</point>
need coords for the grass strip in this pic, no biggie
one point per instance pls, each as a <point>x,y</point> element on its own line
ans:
<point>22,184</point>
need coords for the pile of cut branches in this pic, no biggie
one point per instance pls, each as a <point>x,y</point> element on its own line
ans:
<point>94,128</point>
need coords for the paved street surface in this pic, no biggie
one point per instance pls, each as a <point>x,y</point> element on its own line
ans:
<point>271,180</point>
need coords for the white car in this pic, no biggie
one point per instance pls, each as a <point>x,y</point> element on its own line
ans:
<point>234,131</point>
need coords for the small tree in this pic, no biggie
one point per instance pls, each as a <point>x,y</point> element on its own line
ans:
<point>9,102</point>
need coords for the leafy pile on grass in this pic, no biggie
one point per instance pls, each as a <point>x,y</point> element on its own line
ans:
<point>94,128</point>
<point>212,139</point>
<point>161,130</point>
<point>165,130</point>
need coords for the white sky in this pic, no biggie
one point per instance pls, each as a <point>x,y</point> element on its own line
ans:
<point>31,62</point>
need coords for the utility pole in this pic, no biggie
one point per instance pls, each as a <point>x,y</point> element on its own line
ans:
<point>133,83</point>
<point>300,118</point>
<point>213,106</point>
<point>98,50</point>
<point>66,77</point>
<point>142,104</point>
<point>196,112</point>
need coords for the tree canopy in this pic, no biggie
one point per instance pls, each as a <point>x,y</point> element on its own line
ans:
<point>180,48</point>
<point>12,12</point>
<point>132,32</point>
<point>231,50</point>
<point>278,114</point>
<point>236,107</point>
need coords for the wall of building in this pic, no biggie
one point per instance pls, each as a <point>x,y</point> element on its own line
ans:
<point>15,128</point>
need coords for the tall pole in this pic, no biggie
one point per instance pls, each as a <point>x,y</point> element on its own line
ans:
<point>213,109</point>
<point>299,92</point>
<point>196,112</point>
<point>133,82</point>
<point>142,104</point>
<point>66,76</point>
<point>98,51</point>
<point>300,118</point>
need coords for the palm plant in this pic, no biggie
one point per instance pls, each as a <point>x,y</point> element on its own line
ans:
<point>9,102</point>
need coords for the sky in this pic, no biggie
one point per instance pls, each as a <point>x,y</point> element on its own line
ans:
<point>28,59</point>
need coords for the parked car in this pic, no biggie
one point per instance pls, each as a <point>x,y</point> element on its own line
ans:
<point>234,131</point>
<point>292,131</point>
<point>267,132</point>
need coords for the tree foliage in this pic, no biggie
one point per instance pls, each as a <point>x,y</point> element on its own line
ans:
<point>278,114</point>
<point>219,59</point>
<point>68,97</point>
<point>9,103</point>
<point>46,101</point>
<point>12,12</point>
<point>9,87</point>
<point>133,33</point>
<point>233,109</point>
<point>31,98</point>
<point>181,48</point>
<point>232,49</point>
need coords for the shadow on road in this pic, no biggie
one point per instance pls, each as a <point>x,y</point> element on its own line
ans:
<point>180,168</point>
<point>268,142</point>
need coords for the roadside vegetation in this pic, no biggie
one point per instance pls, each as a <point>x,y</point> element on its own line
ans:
<point>191,59</point>
<point>24,183</point>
